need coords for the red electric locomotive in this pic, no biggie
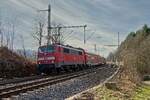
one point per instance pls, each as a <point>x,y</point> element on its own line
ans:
<point>58,57</point>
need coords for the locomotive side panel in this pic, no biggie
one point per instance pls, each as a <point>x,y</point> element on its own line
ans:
<point>73,57</point>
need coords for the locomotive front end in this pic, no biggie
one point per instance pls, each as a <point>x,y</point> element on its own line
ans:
<point>46,59</point>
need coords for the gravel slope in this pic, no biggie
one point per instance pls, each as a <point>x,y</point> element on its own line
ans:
<point>68,88</point>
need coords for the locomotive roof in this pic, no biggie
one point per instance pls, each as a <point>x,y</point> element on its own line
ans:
<point>70,47</point>
<point>66,46</point>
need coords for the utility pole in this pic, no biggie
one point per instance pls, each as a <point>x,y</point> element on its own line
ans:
<point>112,45</point>
<point>118,40</point>
<point>1,34</point>
<point>59,34</point>
<point>49,24</point>
<point>118,49</point>
<point>95,48</point>
<point>117,60</point>
<point>50,37</point>
<point>84,34</point>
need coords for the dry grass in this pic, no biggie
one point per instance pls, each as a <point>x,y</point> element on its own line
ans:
<point>13,65</point>
<point>123,90</point>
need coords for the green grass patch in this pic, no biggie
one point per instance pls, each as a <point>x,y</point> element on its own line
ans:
<point>106,94</point>
<point>142,93</point>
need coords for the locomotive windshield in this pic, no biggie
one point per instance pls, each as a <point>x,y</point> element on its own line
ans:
<point>46,49</point>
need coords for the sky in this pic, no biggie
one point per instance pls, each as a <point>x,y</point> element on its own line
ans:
<point>104,19</point>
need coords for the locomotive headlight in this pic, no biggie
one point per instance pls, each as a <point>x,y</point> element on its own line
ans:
<point>53,61</point>
<point>50,58</point>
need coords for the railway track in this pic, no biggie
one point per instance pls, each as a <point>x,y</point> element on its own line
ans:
<point>21,88</point>
<point>25,79</point>
<point>20,80</point>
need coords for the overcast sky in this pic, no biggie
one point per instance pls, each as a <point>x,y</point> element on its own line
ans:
<point>103,17</point>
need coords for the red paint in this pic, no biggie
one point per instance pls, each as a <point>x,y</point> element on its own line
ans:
<point>60,56</point>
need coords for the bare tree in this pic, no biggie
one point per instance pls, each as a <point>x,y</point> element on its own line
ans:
<point>12,36</point>
<point>38,28</point>
<point>1,33</point>
<point>23,46</point>
<point>38,34</point>
<point>7,31</point>
<point>6,34</point>
<point>57,33</point>
<point>12,33</point>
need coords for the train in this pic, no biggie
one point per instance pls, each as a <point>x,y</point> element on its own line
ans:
<point>64,57</point>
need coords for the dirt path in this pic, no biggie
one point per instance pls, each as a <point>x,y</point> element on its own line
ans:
<point>147,82</point>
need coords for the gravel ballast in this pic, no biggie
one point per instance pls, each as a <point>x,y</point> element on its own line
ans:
<point>68,88</point>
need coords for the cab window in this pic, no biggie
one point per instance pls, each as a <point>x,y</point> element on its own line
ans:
<point>80,53</point>
<point>47,49</point>
<point>66,50</point>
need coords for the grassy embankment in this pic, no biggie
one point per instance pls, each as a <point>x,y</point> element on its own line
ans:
<point>142,93</point>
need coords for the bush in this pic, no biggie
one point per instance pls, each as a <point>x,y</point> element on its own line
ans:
<point>13,65</point>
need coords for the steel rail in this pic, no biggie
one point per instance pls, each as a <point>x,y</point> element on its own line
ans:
<point>30,78</point>
<point>20,80</point>
<point>14,90</point>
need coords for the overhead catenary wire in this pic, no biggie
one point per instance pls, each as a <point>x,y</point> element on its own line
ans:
<point>60,27</point>
<point>89,37</point>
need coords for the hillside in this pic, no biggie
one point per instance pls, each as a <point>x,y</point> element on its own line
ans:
<point>135,50</point>
<point>13,65</point>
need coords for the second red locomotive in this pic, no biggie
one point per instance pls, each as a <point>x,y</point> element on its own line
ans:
<point>65,57</point>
